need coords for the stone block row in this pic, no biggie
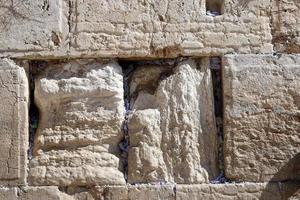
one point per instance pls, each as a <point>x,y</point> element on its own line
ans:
<point>167,28</point>
<point>254,191</point>
<point>171,123</point>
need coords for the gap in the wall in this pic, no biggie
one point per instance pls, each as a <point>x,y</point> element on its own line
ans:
<point>33,109</point>
<point>127,68</point>
<point>216,72</point>
<point>214,7</point>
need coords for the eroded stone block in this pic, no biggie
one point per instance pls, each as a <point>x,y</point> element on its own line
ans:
<point>81,108</point>
<point>172,131</point>
<point>111,192</point>
<point>13,123</point>
<point>255,191</point>
<point>29,25</point>
<point>167,28</point>
<point>262,117</point>
<point>148,192</point>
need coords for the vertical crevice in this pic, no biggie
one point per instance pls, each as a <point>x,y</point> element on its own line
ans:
<point>33,110</point>
<point>127,69</point>
<point>216,72</point>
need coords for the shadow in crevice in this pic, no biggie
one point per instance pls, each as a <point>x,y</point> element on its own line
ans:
<point>286,181</point>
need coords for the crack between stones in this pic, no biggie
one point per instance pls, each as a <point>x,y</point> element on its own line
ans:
<point>216,73</point>
<point>127,69</point>
<point>33,110</point>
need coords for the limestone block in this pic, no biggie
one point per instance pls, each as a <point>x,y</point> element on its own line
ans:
<point>81,108</point>
<point>44,193</point>
<point>29,25</point>
<point>8,193</point>
<point>285,17</point>
<point>253,191</point>
<point>166,28</point>
<point>172,131</point>
<point>149,192</point>
<point>13,123</point>
<point>111,192</point>
<point>33,193</point>
<point>262,117</point>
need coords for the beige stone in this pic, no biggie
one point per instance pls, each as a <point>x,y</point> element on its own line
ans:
<point>111,192</point>
<point>172,131</point>
<point>167,28</point>
<point>262,112</point>
<point>253,191</point>
<point>42,193</point>
<point>33,193</point>
<point>149,192</point>
<point>81,108</point>
<point>14,123</point>
<point>285,17</point>
<point>8,193</point>
<point>28,25</point>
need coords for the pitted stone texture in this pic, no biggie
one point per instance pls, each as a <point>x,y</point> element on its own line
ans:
<point>253,191</point>
<point>33,193</point>
<point>166,28</point>
<point>33,26</point>
<point>14,123</point>
<point>286,26</point>
<point>111,192</point>
<point>262,117</point>
<point>81,108</point>
<point>149,192</point>
<point>172,131</point>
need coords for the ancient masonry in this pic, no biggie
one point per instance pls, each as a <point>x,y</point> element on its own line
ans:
<point>149,99</point>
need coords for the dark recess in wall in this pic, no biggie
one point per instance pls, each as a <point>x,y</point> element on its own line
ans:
<point>216,72</point>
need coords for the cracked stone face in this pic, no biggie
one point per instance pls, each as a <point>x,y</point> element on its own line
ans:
<point>172,129</point>
<point>81,108</point>
<point>28,25</point>
<point>262,117</point>
<point>13,122</point>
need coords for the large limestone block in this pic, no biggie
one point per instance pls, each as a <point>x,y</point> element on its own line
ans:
<point>34,26</point>
<point>81,108</point>
<point>167,28</point>
<point>14,123</point>
<point>253,191</point>
<point>262,117</point>
<point>172,131</point>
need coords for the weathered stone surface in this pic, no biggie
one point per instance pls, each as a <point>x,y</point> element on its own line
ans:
<point>33,193</point>
<point>28,25</point>
<point>148,192</point>
<point>285,17</point>
<point>8,193</point>
<point>111,193</point>
<point>44,193</point>
<point>172,131</point>
<point>262,117</point>
<point>166,28</point>
<point>14,123</point>
<point>81,108</point>
<point>253,191</point>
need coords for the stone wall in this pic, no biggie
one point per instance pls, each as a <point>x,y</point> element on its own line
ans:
<point>158,99</point>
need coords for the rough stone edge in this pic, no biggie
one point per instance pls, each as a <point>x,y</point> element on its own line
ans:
<point>23,124</point>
